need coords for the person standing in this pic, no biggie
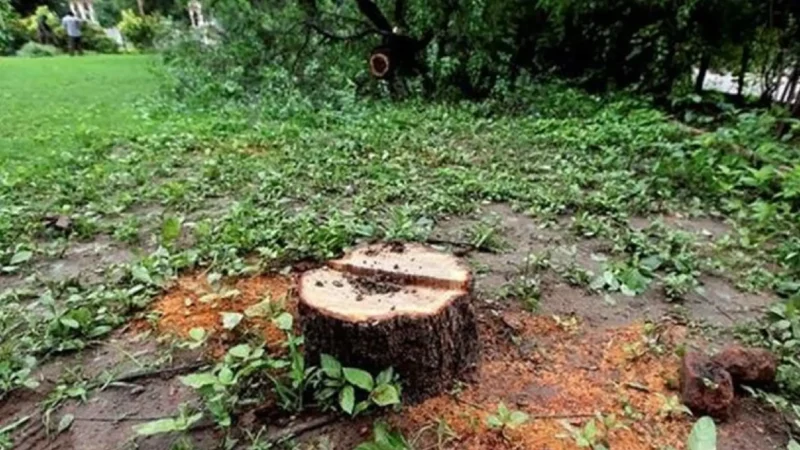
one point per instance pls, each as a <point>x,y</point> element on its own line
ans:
<point>72,25</point>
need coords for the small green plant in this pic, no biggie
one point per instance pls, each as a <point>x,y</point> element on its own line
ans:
<point>672,407</point>
<point>181,423</point>
<point>486,235</point>
<point>291,386</point>
<point>505,419</point>
<point>6,442</point>
<point>220,387</point>
<point>384,438</point>
<point>678,285</point>
<point>355,389</point>
<point>594,434</point>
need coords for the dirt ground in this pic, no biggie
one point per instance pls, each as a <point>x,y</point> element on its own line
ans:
<point>578,354</point>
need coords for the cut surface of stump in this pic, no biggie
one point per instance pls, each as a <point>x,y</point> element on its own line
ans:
<point>406,306</point>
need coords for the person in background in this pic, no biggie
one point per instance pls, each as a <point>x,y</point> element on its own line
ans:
<point>72,25</point>
<point>43,30</point>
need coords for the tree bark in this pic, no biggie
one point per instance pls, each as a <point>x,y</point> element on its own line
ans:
<point>705,63</point>
<point>743,68</point>
<point>414,314</point>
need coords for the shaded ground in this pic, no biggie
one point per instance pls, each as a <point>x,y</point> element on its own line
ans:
<point>575,356</point>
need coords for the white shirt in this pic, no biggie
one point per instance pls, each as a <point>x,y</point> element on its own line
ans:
<point>73,26</point>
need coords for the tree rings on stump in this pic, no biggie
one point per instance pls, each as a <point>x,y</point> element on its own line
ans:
<point>380,63</point>
<point>405,306</point>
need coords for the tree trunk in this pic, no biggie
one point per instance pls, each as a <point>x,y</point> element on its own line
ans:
<point>705,63</point>
<point>140,3</point>
<point>743,68</point>
<point>404,306</point>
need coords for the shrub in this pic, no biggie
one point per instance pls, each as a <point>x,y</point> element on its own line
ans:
<point>37,50</point>
<point>12,34</point>
<point>141,31</point>
<point>94,38</point>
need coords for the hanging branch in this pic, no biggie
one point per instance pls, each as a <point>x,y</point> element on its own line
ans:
<point>335,37</point>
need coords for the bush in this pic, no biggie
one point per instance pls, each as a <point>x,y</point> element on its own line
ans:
<point>141,31</point>
<point>12,34</point>
<point>37,50</point>
<point>94,37</point>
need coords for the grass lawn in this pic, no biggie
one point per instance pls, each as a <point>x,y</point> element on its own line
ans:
<point>59,104</point>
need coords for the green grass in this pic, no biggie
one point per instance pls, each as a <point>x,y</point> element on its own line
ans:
<point>60,104</point>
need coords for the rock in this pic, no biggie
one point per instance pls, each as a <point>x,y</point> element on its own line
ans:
<point>747,365</point>
<point>60,223</point>
<point>706,387</point>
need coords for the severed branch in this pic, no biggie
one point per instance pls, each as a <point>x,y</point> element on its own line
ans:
<point>334,37</point>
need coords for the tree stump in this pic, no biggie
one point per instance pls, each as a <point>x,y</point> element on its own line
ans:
<point>406,306</point>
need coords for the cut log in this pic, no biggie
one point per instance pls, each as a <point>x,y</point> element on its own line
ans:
<point>405,306</point>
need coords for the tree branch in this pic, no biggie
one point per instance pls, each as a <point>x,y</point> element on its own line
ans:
<point>335,37</point>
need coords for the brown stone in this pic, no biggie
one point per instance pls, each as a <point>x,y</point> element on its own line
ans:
<point>706,387</point>
<point>748,365</point>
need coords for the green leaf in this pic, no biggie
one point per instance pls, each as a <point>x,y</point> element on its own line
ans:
<point>197,334</point>
<point>170,230</point>
<point>385,395</point>
<point>347,399</point>
<point>494,422</point>
<point>65,423</point>
<point>331,366</point>
<point>703,435</point>
<point>284,321</point>
<point>199,380</point>
<point>21,257</point>
<point>70,323</point>
<point>241,351</point>
<point>225,375</point>
<point>793,445</point>
<point>385,377</point>
<point>141,274</point>
<point>156,427</point>
<point>517,418</point>
<point>359,378</point>
<point>231,319</point>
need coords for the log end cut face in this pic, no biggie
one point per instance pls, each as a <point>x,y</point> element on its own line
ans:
<point>409,263</point>
<point>360,298</point>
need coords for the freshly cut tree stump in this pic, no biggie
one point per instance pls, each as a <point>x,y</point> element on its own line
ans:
<point>405,306</point>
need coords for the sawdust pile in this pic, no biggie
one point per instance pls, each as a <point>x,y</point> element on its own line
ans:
<point>194,302</point>
<point>560,374</point>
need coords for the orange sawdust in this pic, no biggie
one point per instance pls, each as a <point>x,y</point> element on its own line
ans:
<point>194,303</point>
<point>559,374</point>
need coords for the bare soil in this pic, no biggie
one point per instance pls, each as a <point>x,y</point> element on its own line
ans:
<point>577,355</point>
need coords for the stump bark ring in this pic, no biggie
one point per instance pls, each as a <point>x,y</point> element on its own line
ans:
<point>406,306</point>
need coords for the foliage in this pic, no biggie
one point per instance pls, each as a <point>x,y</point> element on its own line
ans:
<point>703,435</point>
<point>506,419</point>
<point>221,388</point>
<point>384,438</point>
<point>36,50</point>
<point>594,434</point>
<point>141,31</point>
<point>477,50</point>
<point>12,35</point>
<point>355,390</point>
<point>93,37</point>
<point>181,423</point>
